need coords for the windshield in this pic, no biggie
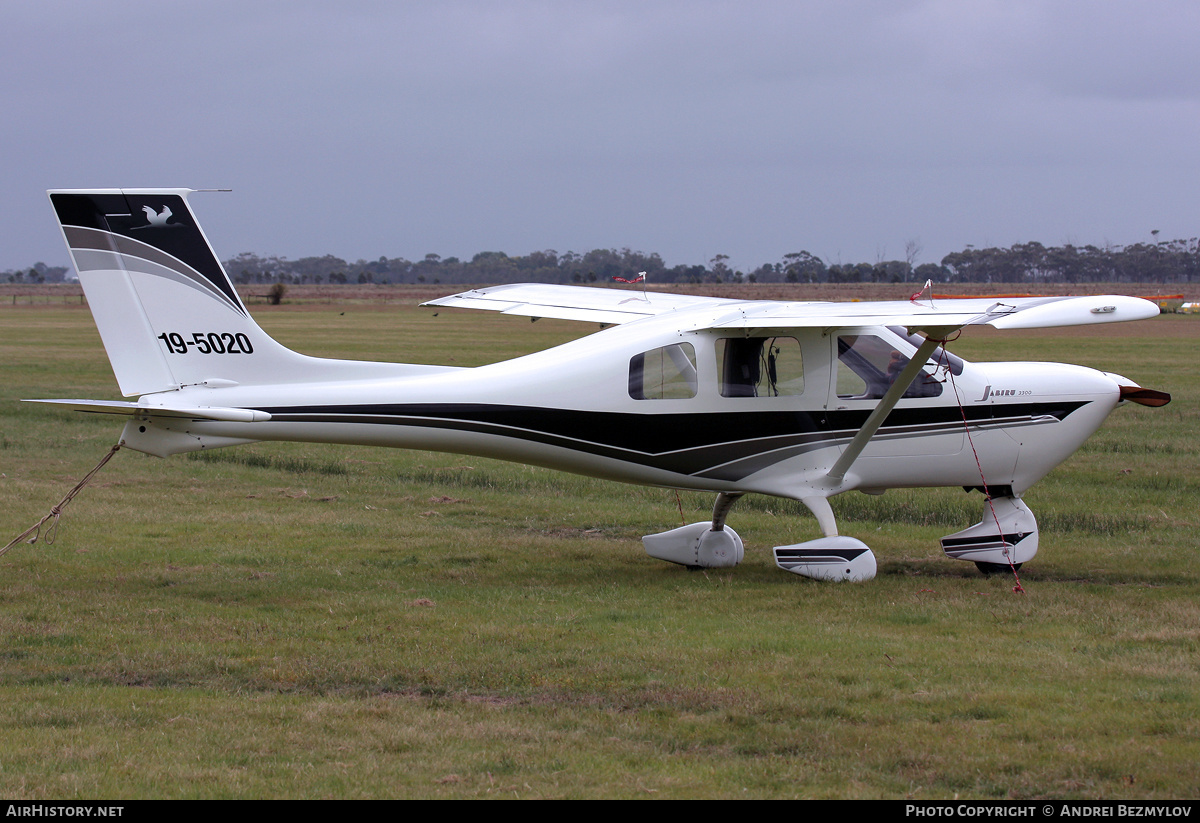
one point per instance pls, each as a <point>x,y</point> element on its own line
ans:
<point>940,356</point>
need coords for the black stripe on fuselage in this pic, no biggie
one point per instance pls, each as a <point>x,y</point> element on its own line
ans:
<point>717,445</point>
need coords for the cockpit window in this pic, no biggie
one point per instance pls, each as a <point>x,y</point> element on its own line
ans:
<point>760,367</point>
<point>940,356</point>
<point>663,374</point>
<point>868,365</point>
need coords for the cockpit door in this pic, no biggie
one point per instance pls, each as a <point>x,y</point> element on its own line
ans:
<point>926,421</point>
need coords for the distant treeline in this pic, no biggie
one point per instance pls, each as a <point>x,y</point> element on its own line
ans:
<point>1169,261</point>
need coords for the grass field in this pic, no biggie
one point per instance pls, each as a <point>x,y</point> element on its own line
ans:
<point>285,620</point>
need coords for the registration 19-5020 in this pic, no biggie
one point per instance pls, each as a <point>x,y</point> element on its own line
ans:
<point>207,343</point>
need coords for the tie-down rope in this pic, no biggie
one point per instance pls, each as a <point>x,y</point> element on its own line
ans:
<point>56,511</point>
<point>1018,588</point>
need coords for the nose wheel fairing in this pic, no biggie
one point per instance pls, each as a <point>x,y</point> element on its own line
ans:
<point>1006,534</point>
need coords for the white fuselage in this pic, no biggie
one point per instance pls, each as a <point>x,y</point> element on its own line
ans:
<point>575,408</point>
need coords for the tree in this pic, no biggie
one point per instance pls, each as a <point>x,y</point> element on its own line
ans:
<point>932,272</point>
<point>803,267</point>
<point>720,268</point>
<point>912,251</point>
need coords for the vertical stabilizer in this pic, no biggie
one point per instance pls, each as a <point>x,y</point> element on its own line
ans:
<point>152,281</point>
<point>166,310</point>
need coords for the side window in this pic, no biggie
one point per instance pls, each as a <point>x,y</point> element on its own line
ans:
<point>868,365</point>
<point>760,367</point>
<point>663,374</point>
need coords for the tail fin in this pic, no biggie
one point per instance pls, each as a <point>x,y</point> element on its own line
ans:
<point>167,312</point>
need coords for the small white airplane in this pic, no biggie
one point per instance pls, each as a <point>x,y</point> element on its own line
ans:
<point>801,400</point>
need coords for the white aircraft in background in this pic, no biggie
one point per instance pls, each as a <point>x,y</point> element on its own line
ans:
<point>801,400</point>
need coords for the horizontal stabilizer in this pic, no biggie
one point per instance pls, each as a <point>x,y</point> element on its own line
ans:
<point>229,415</point>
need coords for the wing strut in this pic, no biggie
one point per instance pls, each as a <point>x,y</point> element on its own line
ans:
<point>884,408</point>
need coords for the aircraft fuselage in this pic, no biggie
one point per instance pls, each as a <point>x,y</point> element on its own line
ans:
<point>573,408</point>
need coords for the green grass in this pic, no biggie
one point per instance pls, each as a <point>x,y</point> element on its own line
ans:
<point>290,620</point>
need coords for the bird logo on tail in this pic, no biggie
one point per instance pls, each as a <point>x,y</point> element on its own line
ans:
<point>157,218</point>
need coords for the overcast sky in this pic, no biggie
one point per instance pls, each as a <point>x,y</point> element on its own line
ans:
<point>687,128</point>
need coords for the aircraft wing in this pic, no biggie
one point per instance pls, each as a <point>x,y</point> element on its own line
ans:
<point>574,302</point>
<point>622,306</point>
<point>1000,313</point>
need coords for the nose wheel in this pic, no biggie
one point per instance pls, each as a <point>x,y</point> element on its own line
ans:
<point>997,568</point>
